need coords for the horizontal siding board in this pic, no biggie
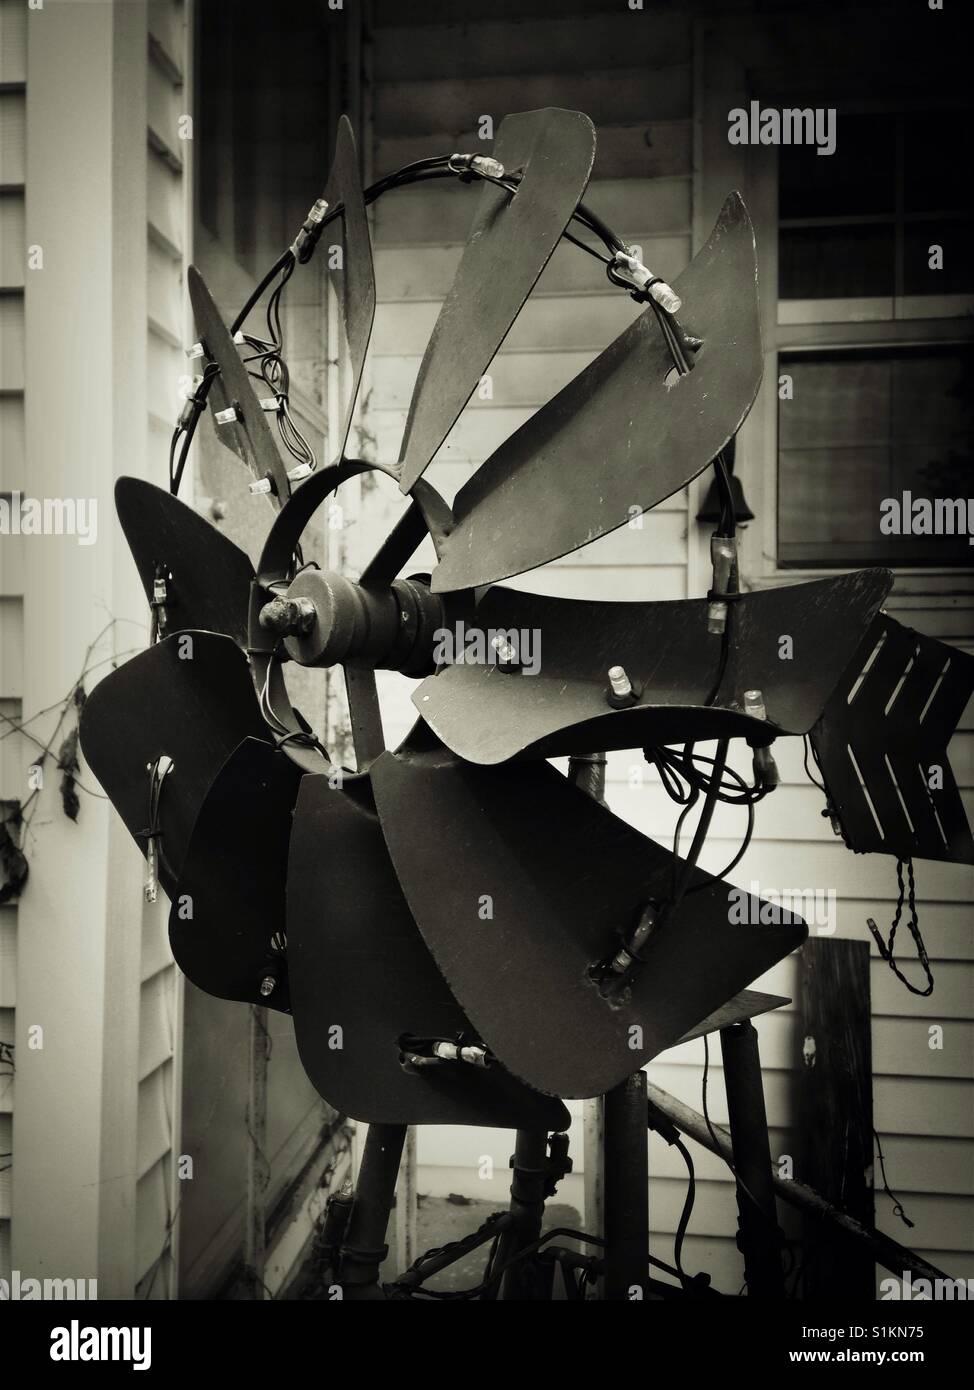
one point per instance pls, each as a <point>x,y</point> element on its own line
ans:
<point>156,955</point>
<point>164,289</point>
<point>11,648</point>
<point>795,812</point>
<point>13,109</point>
<point>8,959</point>
<point>901,1046</point>
<point>6,1167</point>
<point>151,1221</point>
<point>628,583</point>
<point>12,473</point>
<point>12,565</point>
<point>789,757</point>
<point>423,272</point>
<point>154,1119</point>
<point>155,1022</point>
<point>166,28</point>
<point>166,366</point>
<point>929,1106</point>
<point>514,47</point>
<point>6,1076</point>
<point>164,102</point>
<point>419,13</point>
<point>163,199</point>
<point>443,212</point>
<point>13,40</point>
<point>644,150</point>
<point>619,97</point>
<point>557,325</point>
<point>11,342</point>
<point>867,876</point>
<point>12,241</point>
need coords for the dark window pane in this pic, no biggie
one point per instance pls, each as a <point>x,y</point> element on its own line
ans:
<point>863,428</point>
<point>957,274</point>
<point>936,151</point>
<point>858,178</point>
<point>836,262</point>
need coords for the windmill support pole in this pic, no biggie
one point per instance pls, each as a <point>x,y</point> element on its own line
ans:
<point>626,1194</point>
<point>528,1182</point>
<point>364,1247</point>
<point>757,1212</point>
<point>257,1169</point>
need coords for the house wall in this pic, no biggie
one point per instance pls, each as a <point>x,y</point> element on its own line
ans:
<point>93,184</point>
<point>435,69</point>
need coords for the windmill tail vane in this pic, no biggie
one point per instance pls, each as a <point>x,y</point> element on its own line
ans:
<point>487,937</point>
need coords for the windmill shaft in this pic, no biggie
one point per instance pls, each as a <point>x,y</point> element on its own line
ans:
<point>385,627</point>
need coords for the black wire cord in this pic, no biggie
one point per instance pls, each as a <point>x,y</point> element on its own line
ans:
<point>886,948</point>
<point>272,368</point>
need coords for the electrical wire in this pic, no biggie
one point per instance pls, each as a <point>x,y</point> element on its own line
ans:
<point>418,171</point>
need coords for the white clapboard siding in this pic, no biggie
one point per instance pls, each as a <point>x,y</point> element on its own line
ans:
<point>11,443</point>
<point>165,197</point>
<point>13,100</point>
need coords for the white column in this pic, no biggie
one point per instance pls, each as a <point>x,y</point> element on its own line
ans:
<point>79,921</point>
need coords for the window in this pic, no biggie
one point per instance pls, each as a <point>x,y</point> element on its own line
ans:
<point>864,429</point>
<point>875,292</point>
<point>859,230</point>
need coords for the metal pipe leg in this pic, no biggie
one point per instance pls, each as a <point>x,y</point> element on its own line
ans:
<point>528,1183</point>
<point>757,1213</point>
<point>626,1148</point>
<point>364,1246</point>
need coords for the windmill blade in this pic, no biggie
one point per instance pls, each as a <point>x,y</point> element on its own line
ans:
<point>189,699</point>
<point>510,243</point>
<point>248,434</point>
<point>521,884</point>
<point>354,279</point>
<point>363,983</point>
<point>230,901</point>
<point>881,746</point>
<point>625,433</point>
<point>750,1003</point>
<point>207,577</point>
<point>487,714</point>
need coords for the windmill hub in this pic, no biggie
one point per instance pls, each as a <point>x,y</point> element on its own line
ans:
<point>327,620</point>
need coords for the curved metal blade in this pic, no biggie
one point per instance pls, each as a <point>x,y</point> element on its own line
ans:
<point>189,698</point>
<point>354,279</point>
<point>623,433</point>
<point>230,899</point>
<point>510,243</point>
<point>521,883</point>
<point>248,435</point>
<point>487,714</point>
<point>882,740</point>
<point>207,577</point>
<point>362,980</point>
<point>748,1004</point>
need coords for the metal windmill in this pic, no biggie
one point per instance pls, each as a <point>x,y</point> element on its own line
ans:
<point>351,896</point>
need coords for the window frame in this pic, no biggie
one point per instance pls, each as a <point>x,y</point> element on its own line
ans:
<point>728,74</point>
